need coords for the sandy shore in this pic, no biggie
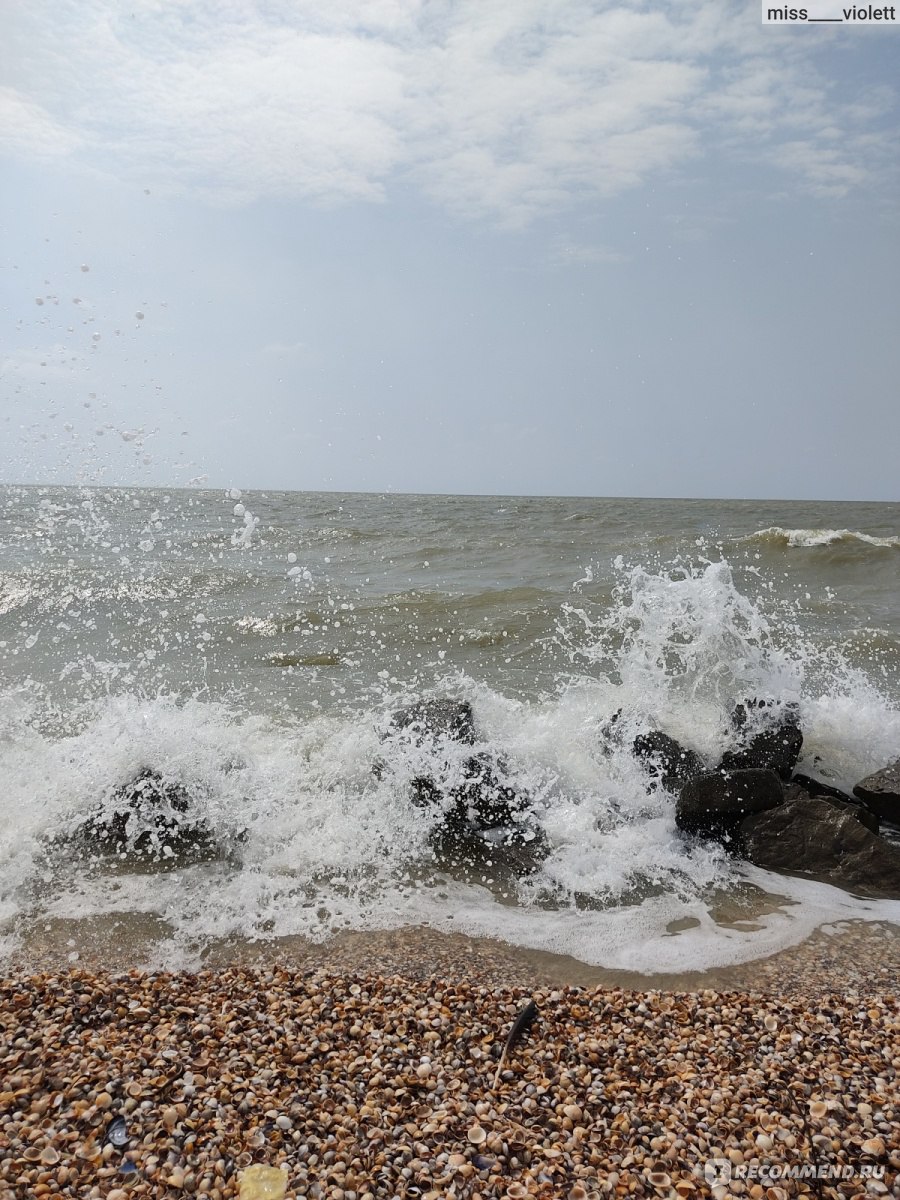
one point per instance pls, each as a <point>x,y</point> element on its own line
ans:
<point>377,1086</point>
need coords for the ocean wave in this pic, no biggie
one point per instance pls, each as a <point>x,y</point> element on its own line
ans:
<point>323,836</point>
<point>776,535</point>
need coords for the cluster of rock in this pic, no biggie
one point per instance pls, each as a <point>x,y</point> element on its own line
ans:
<point>759,807</point>
<point>482,819</point>
<point>754,801</point>
<point>152,818</point>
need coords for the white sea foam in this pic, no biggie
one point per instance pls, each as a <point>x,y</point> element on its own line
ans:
<point>819,537</point>
<point>330,846</point>
<point>315,841</point>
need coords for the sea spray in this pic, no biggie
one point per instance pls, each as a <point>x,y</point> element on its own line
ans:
<point>135,636</point>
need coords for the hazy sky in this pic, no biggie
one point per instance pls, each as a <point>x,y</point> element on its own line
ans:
<point>544,246</point>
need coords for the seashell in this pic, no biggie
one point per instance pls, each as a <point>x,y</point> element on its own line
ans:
<point>874,1146</point>
<point>817,1108</point>
<point>476,1135</point>
<point>659,1179</point>
<point>50,1155</point>
<point>117,1131</point>
<point>771,1023</point>
<point>516,1191</point>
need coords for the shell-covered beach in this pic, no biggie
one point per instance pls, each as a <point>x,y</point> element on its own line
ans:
<point>359,1087</point>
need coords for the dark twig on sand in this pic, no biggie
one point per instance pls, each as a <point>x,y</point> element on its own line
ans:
<point>521,1025</point>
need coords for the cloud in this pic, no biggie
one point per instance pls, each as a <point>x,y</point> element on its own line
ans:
<point>28,129</point>
<point>503,111</point>
<point>568,252</point>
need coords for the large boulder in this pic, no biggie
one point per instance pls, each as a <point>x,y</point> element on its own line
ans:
<point>483,798</point>
<point>715,804</point>
<point>667,761</point>
<point>880,793</point>
<point>769,738</point>
<point>484,821</point>
<point>802,787</point>
<point>814,837</point>
<point>152,818</point>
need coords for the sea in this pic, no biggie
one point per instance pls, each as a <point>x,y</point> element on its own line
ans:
<point>250,649</point>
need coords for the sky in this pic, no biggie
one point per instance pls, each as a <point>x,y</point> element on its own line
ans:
<point>561,247</point>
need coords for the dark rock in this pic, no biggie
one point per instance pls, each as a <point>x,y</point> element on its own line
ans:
<point>610,731</point>
<point>815,837</point>
<point>765,708</point>
<point>815,787</point>
<point>880,793</point>
<point>149,817</point>
<point>488,801</point>
<point>797,790</point>
<point>510,851</point>
<point>485,822</point>
<point>667,760</point>
<point>715,804</point>
<point>775,744</point>
<point>438,718</point>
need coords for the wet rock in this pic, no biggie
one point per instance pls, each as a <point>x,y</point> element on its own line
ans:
<point>667,760</point>
<point>438,718</point>
<point>880,793</point>
<point>610,731</point>
<point>767,709</point>
<point>715,804</point>
<point>149,817</point>
<point>802,787</point>
<point>770,738</point>
<point>815,787</point>
<point>814,837</point>
<point>508,851</point>
<point>484,820</point>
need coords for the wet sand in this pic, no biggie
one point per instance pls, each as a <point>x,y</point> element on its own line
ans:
<point>863,956</point>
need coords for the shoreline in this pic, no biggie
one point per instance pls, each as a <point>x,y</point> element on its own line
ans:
<point>369,1087</point>
<point>851,954</point>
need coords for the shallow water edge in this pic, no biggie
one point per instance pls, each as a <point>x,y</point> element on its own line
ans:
<point>844,956</point>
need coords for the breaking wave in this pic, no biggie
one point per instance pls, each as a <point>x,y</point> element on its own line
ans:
<point>317,830</point>
<point>810,538</point>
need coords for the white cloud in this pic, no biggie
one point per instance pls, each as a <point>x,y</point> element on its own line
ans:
<point>28,129</point>
<point>568,252</point>
<point>504,110</point>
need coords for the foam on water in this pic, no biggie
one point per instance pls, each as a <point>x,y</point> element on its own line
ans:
<point>314,841</point>
<point>820,537</point>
